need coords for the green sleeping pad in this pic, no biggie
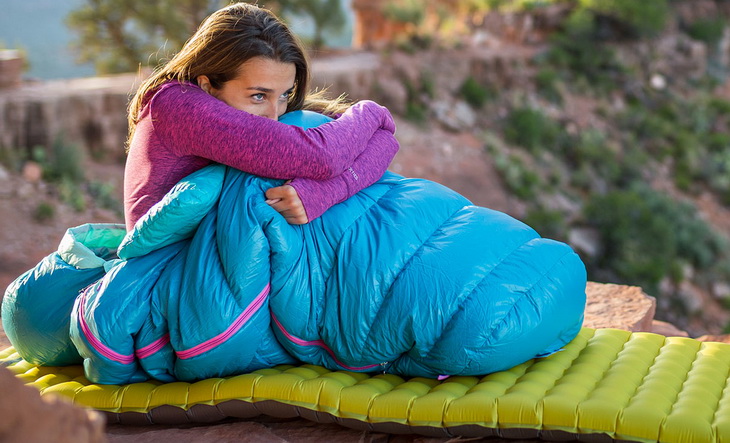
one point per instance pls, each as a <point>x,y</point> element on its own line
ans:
<point>605,385</point>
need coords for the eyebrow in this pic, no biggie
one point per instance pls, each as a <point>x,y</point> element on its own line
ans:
<point>266,90</point>
<point>260,89</point>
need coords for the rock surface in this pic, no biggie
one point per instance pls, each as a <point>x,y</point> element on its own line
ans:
<point>26,416</point>
<point>617,306</point>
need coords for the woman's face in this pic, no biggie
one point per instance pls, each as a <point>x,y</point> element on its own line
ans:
<point>262,87</point>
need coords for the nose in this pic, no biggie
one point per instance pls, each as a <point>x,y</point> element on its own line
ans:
<point>273,111</point>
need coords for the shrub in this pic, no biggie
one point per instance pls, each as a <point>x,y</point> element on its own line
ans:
<point>64,162</point>
<point>474,93</point>
<point>518,178</point>
<point>44,212</point>
<point>650,129</point>
<point>697,242</point>
<point>532,130</point>
<point>549,223</point>
<point>405,11</point>
<point>708,30</point>
<point>586,61</point>
<point>648,235</point>
<point>638,246</point>
<point>412,43</point>
<point>633,160</point>
<point>720,105</point>
<point>428,84</point>
<point>416,107</point>
<point>546,81</point>
<point>636,19</point>
<point>717,141</point>
<point>716,171</point>
<point>683,177</point>
<point>419,94</point>
<point>9,158</point>
<point>71,193</point>
<point>416,112</point>
<point>593,164</point>
<point>589,147</point>
<point>582,177</point>
<point>594,149</point>
<point>103,195</point>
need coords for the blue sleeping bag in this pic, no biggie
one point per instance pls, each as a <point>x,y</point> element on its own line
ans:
<point>405,277</point>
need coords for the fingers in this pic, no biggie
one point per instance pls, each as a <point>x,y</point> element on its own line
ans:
<point>281,192</point>
<point>294,215</point>
<point>285,200</point>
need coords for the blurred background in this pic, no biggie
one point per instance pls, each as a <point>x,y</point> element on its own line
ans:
<point>601,123</point>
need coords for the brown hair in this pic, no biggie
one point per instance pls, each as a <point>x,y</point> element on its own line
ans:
<point>226,39</point>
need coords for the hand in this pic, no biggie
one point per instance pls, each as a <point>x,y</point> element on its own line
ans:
<point>285,200</point>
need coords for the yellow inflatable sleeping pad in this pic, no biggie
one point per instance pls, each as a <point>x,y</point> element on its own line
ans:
<point>606,385</point>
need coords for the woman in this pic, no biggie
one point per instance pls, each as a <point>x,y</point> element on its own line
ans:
<point>218,100</point>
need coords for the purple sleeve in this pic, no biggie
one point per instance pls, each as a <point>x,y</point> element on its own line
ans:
<point>319,195</point>
<point>191,122</point>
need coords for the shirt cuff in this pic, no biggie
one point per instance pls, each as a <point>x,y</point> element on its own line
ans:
<point>318,196</point>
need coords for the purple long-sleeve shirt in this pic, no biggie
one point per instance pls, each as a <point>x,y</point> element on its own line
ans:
<point>182,129</point>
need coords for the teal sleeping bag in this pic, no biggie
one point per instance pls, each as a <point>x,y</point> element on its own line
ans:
<point>406,277</point>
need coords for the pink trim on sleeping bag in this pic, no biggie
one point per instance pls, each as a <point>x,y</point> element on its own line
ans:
<point>225,335</point>
<point>321,344</point>
<point>96,343</point>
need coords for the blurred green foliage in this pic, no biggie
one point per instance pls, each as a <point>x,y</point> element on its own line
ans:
<point>9,158</point>
<point>626,18</point>
<point>475,93</point>
<point>124,35</point>
<point>708,30</point>
<point>591,66</point>
<point>549,223</point>
<point>685,132</point>
<point>62,162</point>
<point>419,94</point>
<point>518,177</point>
<point>103,195</point>
<point>547,80</point>
<point>406,11</point>
<point>326,15</point>
<point>647,235</point>
<point>63,169</point>
<point>63,166</point>
<point>44,212</point>
<point>533,130</point>
<point>637,245</point>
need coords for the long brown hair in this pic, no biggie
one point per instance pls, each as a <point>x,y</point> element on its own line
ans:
<point>226,39</point>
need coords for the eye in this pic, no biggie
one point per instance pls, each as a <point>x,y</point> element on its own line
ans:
<point>258,97</point>
<point>285,96</point>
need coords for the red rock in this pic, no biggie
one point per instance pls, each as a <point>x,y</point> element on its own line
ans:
<point>32,172</point>
<point>721,338</point>
<point>667,329</point>
<point>26,416</point>
<point>618,306</point>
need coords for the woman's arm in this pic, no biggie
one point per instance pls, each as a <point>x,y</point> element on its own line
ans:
<point>319,195</point>
<point>191,122</point>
